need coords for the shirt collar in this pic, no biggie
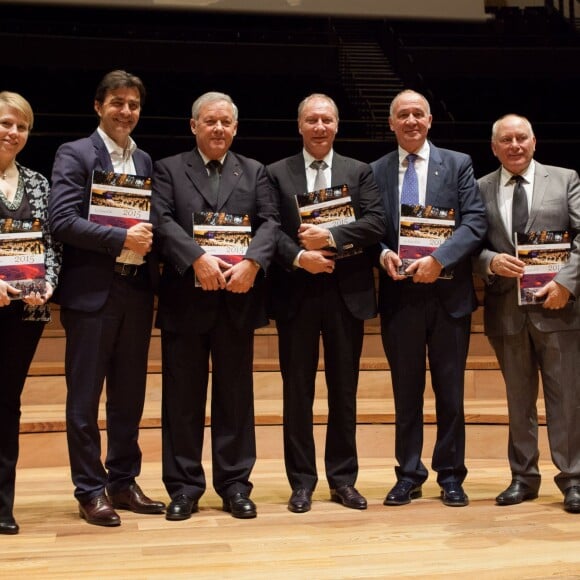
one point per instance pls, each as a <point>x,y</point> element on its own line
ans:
<point>114,149</point>
<point>528,174</point>
<point>423,153</point>
<point>308,159</point>
<point>206,159</point>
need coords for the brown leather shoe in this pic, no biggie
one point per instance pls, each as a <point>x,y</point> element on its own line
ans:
<point>349,497</point>
<point>99,512</point>
<point>133,499</point>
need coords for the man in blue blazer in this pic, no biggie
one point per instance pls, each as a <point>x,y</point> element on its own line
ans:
<point>423,313</point>
<point>208,308</point>
<point>106,299</point>
<point>318,290</point>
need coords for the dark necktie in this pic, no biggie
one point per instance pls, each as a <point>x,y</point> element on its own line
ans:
<point>215,168</point>
<point>410,188</point>
<point>320,179</point>
<point>519,206</point>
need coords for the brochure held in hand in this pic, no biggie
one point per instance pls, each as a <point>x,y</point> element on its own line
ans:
<point>22,255</point>
<point>422,229</point>
<point>545,253</point>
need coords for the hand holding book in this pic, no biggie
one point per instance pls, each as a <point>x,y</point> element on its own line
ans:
<point>553,295</point>
<point>317,261</point>
<point>507,266</point>
<point>424,270</point>
<point>139,238</point>
<point>209,272</point>
<point>313,237</point>
<point>543,253</point>
<point>240,277</point>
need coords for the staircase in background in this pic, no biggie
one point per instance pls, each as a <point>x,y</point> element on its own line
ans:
<point>368,77</point>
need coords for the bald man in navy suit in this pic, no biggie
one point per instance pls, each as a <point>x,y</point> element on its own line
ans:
<point>423,314</point>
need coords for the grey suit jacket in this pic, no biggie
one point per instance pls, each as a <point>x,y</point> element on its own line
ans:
<point>555,206</point>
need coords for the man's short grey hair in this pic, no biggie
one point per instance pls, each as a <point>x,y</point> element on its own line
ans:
<point>211,97</point>
<point>408,92</point>
<point>313,96</point>
<point>495,126</point>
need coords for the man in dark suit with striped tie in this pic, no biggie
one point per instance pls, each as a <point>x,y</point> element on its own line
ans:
<point>317,291</point>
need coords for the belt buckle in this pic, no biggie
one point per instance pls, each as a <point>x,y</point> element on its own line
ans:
<point>128,270</point>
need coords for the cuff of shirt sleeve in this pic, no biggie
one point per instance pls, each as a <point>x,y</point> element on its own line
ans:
<point>296,262</point>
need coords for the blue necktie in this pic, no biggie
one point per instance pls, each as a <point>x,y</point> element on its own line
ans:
<point>410,189</point>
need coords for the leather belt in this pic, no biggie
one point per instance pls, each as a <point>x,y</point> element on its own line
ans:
<point>130,270</point>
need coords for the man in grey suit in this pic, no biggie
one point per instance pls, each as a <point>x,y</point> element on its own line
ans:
<point>421,313</point>
<point>528,339</point>
<point>318,291</point>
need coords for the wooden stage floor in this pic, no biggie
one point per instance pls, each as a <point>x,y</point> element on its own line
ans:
<point>422,540</point>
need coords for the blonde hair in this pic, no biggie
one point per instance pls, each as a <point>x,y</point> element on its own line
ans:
<point>19,103</point>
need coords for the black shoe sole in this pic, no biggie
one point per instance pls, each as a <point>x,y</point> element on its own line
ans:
<point>511,502</point>
<point>451,503</point>
<point>337,499</point>
<point>299,510</point>
<point>99,522</point>
<point>240,515</point>
<point>413,495</point>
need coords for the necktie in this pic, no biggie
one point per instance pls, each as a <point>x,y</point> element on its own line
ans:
<point>215,168</point>
<point>410,189</point>
<point>519,206</point>
<point>320,179</point>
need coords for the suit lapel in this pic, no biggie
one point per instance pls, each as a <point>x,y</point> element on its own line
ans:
<point>101,153</point>
<point>339,174</point>
<point>490,193</point>
<point>541,178</point>
<point>196,172</point>
<point>435,176</point>
<point>231,173</point>
<point>392,201</point>
<point>139,161</point>
<point>297,174</point>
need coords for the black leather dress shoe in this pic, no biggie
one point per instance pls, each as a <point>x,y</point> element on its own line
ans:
<point>240,506</point>
<point>452,494</point>
<point>572,499</point>
<point>515,493</point>
<point>349,497</point>
<point>300,501</point>
<point>99,512</point>
<point>8,526</point>
<point>402,493</point>
<point>132,498</point>
<point>181,508</point>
